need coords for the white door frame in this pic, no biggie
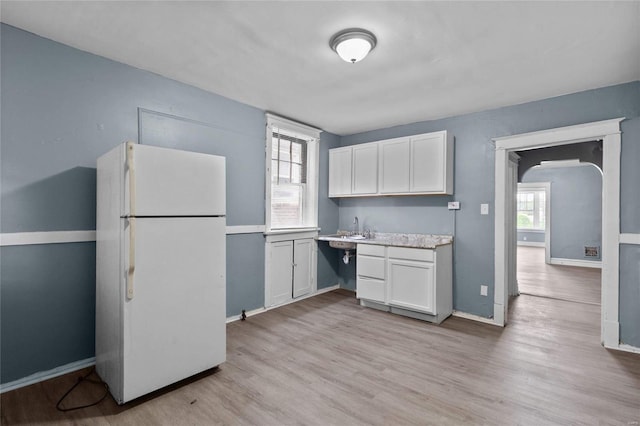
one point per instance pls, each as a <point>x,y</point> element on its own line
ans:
<point>609,132</point>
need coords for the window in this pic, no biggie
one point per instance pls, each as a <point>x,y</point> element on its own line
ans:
<point>292,175</point>
<point>531,207</point>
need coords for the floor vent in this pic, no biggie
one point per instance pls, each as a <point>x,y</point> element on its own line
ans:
<point>591,251</point>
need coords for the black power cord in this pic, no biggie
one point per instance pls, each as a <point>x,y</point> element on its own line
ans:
<point>80,380</point>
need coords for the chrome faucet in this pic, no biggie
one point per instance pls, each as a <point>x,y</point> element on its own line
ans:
<point>366,232</point>
<point>356,226</point>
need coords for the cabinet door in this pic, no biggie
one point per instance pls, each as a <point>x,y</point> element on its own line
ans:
<point>302,261</point>
<point>428,162</point>
<point>394,168</point>
<point>281,271</point>
<point>340,172</point>
<point>411,285</point>
<point>365,169</point>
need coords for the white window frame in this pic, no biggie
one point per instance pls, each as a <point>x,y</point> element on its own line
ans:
<point>301,131</point>
<point>546,186</point>
<point>535,187</point>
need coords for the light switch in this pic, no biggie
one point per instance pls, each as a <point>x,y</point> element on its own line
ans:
<point>484,208</point>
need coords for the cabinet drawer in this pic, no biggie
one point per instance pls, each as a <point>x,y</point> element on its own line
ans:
<point>371,249</point>
<point>425,255</point>
<point>370,289</point>
<point>372,267</point>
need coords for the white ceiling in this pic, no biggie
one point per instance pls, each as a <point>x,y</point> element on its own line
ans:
<point>433,59</point>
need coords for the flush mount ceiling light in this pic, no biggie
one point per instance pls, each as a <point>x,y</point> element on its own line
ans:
<point>353,44</point>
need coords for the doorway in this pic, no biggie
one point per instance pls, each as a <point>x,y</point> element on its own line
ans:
<point>560,188</point>
<point>609,132</point>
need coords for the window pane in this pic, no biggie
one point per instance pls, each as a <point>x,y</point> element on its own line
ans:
<point>296,173</point>
<point>284,174</point>
<point>531,208</point>
<point>274,171</point>
<point>296,152</point>
<point>285,150</point>
<point>286,206</point>
<point>274,148</point>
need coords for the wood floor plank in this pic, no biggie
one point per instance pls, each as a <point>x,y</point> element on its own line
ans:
<point>572,283</point>
<point>328,361</point>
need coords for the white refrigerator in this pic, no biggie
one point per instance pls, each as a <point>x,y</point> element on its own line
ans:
<point>160,267</point>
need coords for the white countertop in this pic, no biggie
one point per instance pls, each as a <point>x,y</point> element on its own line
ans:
<point>427,241</point>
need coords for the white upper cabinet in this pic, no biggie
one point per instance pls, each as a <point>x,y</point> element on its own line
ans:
<point>431,164</point>
<point>340,172</point>
<point>394,166</point>
<point>365,169</point>
<point>414,165</point>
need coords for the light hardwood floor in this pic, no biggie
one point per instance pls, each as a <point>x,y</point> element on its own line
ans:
<point>571,283</point>
<point>328,361</point>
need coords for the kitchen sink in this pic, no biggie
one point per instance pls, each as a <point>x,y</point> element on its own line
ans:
<point>341,241</point>
<point>344,245</point>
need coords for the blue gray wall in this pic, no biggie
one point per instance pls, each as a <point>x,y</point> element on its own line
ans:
<point>630,223</point>
<point>474,184</point>
<point>576,208</point>
<point>61,109</point>
<point>531,236</point>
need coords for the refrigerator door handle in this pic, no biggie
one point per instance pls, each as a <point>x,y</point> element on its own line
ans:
<point>132,179</point>
<point>132,257</point>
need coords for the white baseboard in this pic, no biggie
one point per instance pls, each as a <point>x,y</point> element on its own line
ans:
<point>41,376</point>
<point>473,317</point>
<point>531,243</point>
<point>261,310</point>
<point>577,262</point>
<point>628,348</point>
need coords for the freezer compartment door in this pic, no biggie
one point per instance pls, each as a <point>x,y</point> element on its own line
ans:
<point>175,317</point>
<point>169,182</point>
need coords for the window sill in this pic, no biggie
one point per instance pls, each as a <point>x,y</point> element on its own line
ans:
<point>534,231</point>
<point>276,235</point>
<point>291,230</point>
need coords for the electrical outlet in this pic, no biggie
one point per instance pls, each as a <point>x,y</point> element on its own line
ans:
<point>484,290</point>
<point>454,205</point>
<point>484,208</point>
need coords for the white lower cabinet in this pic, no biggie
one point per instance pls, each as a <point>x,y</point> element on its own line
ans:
<point>290,268</point>
<point>407,281</point>
<point>281,274</point>
<point>302,261</point>
<point>411,285</point>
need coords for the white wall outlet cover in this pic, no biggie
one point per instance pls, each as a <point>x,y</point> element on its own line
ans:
<point>484,290</point>
<point>453,205</point>
<point>484,208</point>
